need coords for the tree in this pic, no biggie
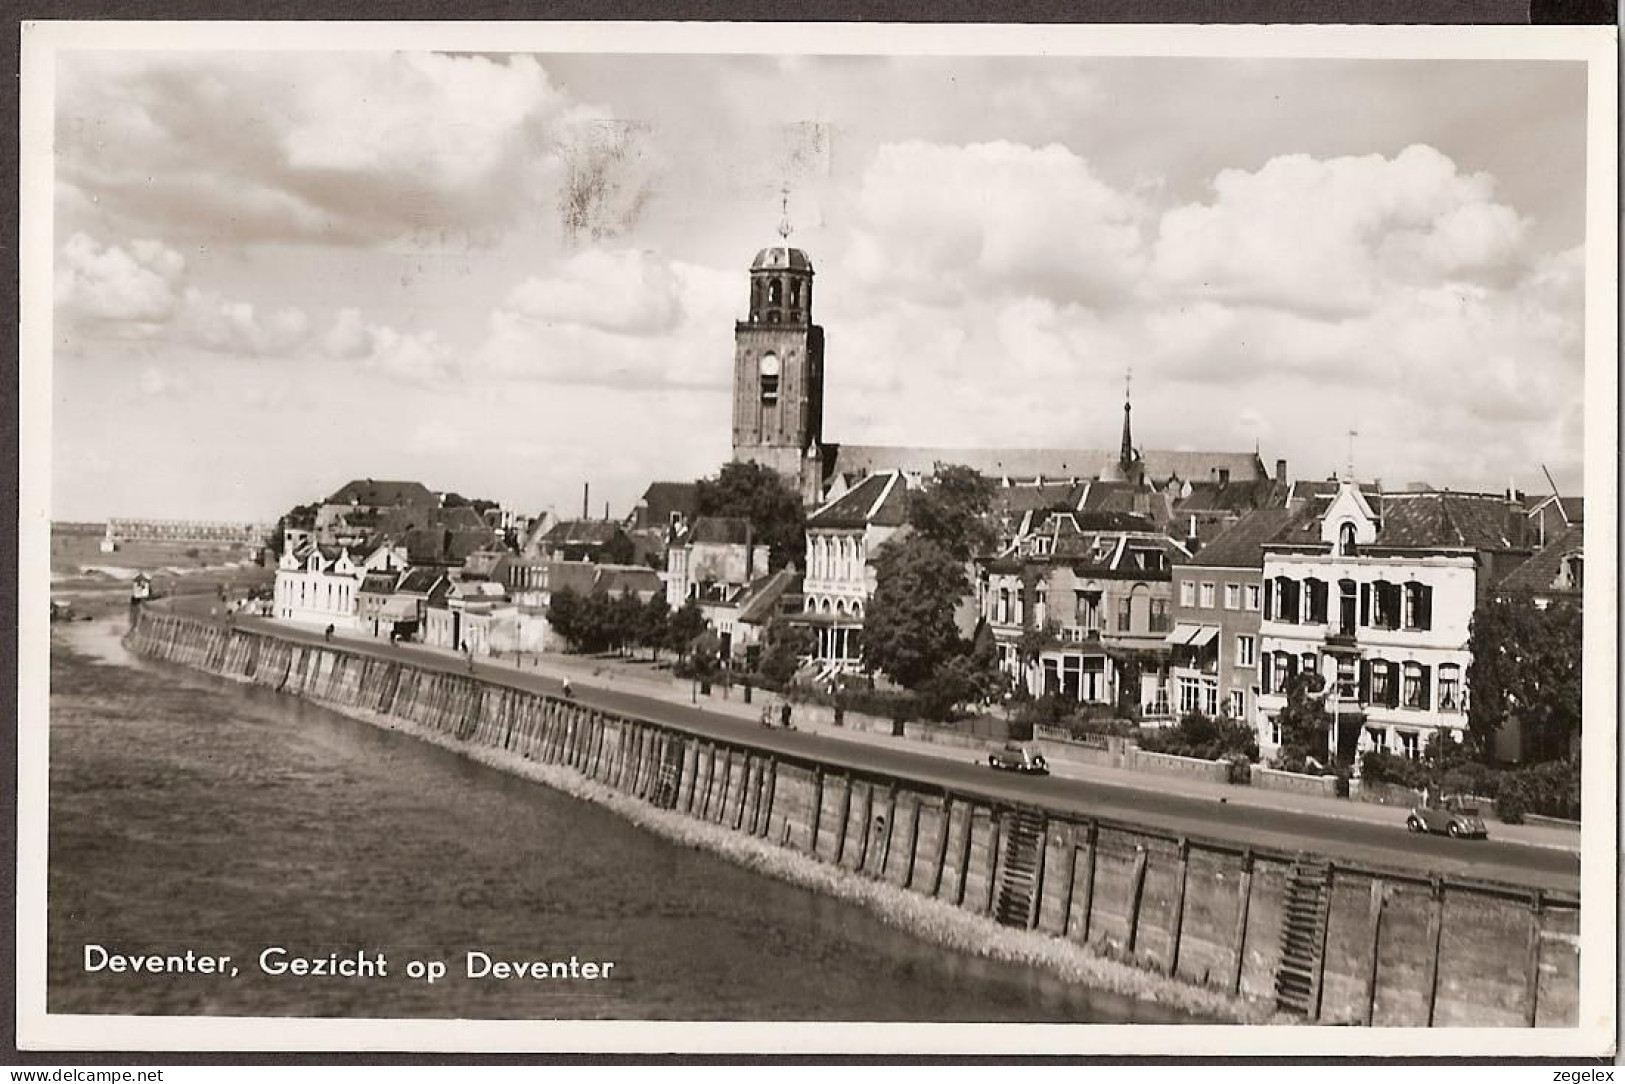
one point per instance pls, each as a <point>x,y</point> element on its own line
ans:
<point>909,630</point>
<point>626,614</point>
<point>756,493</point>
<point>1304,723</point>
<point>952,510</point>
<point>684,627</point>
<point>783,646</point>
<point>1526,663</point>
<point>654,624</point>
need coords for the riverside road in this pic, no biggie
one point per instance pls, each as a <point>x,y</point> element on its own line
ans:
<point>1337,838</point>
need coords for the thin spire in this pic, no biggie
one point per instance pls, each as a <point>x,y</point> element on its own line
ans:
<point>1126,453</point>
<point>784,220</point>
<point>1352,434</point>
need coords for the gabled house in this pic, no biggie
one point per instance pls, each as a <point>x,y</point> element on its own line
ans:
<point>842,537</point>
<point>1374,594</point>
<point>1097,593</point>
<point>712,560</point>
<point>600,541</point>
<point>318,585</point>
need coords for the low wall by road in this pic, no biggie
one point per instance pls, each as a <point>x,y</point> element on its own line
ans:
<point>1324,786</point>
<point>1393,947</point>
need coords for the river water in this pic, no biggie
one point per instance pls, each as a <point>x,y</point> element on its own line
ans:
<point>192,813</point>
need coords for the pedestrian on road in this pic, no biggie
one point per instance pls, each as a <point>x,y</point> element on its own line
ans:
<point>327,634</point>
<point>784,714</point>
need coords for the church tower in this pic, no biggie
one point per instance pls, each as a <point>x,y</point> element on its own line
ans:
<point>778,415</point>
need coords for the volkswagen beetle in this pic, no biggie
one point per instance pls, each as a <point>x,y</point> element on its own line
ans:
<point>1016,757</point>
<point>1453,817</point>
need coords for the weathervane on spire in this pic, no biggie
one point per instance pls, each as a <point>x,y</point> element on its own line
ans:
<point>784,221</point>
<point>1352,434</point>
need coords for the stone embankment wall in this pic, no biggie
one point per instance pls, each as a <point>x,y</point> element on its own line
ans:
<point>1334,943</point>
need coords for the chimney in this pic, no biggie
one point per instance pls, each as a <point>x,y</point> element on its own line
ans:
<point>1280,472</point>
<point>585,487</point>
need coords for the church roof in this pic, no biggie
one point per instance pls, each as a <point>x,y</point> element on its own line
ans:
<point>370,491</point>
<point>781,258</point>
<point>880,499</point>
<point>1057,463</point>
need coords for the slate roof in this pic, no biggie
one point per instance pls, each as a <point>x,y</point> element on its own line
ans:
<point>581,532</point>
<point>385,494</point>
<point>661,499</point>
<point>1014,500</point>
<point>1472,521</point>
<point>760,601</point>
<point>1102,551</point>
<point>1540,573</point>
<point>720,531</point>
<point>881,499</point>
<point>419,581</point>
<point>859,459</point>
<point>577,576</point>
<point>1242,544</point>
<point>1225,497</point>
<point>378,583</point>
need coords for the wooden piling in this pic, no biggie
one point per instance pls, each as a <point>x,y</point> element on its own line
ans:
<point>867,820</point>
<point>1038,878</point>
<point>1435,935</point>
<point>945,821</point>
<point>1092,840</point>
<point>1379,899</point>
<point>891,818</point>
<point>744,792</point>
<point>1136,896</point>
<point>994,844</point>
<point>1240,938</point>
<point>817,810</point>
<point>964,854</point>
<point>1320,955</point>
<point>1531,985</point>
<point>846,815</point>
<point>913,842</point>
<point>765,814</point>
<point>1069,880</point>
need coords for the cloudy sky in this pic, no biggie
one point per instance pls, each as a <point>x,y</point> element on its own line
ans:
<point>512,274</point>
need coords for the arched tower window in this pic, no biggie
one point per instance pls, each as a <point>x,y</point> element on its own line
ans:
<point>774,288</point>
<point>768,369</point>
<point>1345,540</point>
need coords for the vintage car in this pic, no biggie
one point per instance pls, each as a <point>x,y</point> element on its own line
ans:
<point>1453,817</point>
<point>1016,757</point>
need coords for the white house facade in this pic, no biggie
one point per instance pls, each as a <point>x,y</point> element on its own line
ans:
<point>1376,597</point>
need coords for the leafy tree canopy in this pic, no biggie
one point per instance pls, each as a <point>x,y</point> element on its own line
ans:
<point>757,493</point>
<point>1526,663</point>
<point>952,509</point>
<point>909,630</point>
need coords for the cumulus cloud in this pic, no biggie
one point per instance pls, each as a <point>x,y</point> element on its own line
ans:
<point>140,291</point>
<point>112,285</point>
<point>363,147</point>
<point>416,357</point>
<point>625,319</point>
<point>941,223</point>
<point>1328,236</point>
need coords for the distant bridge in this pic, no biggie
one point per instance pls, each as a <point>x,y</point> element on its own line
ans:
<point>236,533</point>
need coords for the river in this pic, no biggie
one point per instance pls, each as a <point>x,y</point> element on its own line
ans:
<point>188,812</point>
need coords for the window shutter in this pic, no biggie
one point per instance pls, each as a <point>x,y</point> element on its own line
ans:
<point>1291,667</point>
<point>1365,681</point>
<point>1395,676</point>
<point>1427,689</point>
<point>1266,671</point>
<point>1269,600</point>
<point>1424,608</point>
<point>1365,604</point>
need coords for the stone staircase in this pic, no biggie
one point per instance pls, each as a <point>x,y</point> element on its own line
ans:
<point>1018,880</point>
<point>1303,937</point>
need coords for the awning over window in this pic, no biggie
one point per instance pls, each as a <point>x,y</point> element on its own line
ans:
<point>1191,635</point>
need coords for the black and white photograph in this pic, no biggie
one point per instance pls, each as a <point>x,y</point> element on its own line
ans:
<point>818,538</point>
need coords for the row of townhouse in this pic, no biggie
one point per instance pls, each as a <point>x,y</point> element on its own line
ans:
<point>1373,592</point>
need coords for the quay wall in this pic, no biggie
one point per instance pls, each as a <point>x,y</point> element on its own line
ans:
<point>1386,947</point>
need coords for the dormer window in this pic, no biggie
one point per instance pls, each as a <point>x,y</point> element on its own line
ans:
<point>1345,540</point>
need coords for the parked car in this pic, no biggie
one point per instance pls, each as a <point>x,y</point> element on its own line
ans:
<point>1016,757</point>
<point>1453,817</point>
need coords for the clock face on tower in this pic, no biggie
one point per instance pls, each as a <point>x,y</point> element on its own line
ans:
<point>768,370</point>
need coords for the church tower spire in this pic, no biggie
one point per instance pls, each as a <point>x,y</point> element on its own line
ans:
<point>1125,454</point>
